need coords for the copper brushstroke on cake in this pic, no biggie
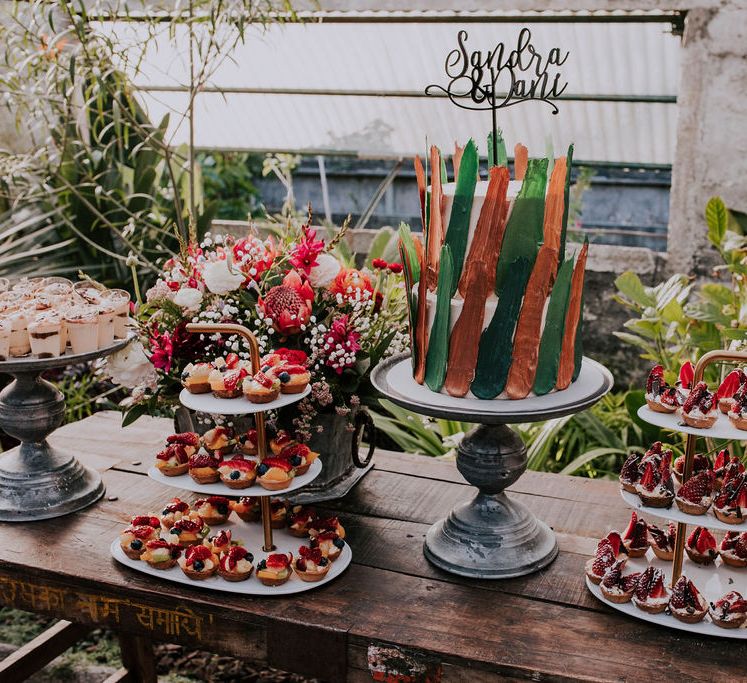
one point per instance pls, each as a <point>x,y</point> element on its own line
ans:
<point>436,232</point>
<point>456,160</point>
<point>567,363</point>
<point>421,336</point>
<point>529,325</point>
<point>521,161</point>
<point>420,177</point>
<point>476,284</point>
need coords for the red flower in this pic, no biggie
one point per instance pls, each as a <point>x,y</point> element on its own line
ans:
<point>340,344</point>
<point>292,356</point>
<point>395,268</point>
<point>161,351</point>
<point>351,284</point>
<point>289,304</point>
<point>185,345</point>
<point>305,252</point>
<point>379,263</point>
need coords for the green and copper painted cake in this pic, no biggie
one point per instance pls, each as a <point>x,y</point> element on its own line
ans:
<point>495,294</point>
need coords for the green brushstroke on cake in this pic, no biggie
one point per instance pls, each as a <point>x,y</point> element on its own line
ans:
<point>438,342</point>
<point>568,168</point>
<point>500,148</point>
<point>444,174</point>
<point>494,357</point>
<point>461,209</point>
<point>524,234</point>
<point>551,344</point>
<point>411,310</point>
<point>578,348</point>
<point>405,234</point>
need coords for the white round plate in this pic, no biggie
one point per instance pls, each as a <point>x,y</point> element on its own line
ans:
<point>251,535</point>
<point>676,515</point>
<point>186,482</point>
<point>712,581</point>
<point>723,429</point>
<point>207,403</point>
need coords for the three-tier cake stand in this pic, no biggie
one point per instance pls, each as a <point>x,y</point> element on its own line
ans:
<point>713,580</point>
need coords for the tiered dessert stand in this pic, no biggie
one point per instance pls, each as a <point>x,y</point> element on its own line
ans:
<point>491,536</point>
<point>712,580</point>
<point>272,540</point>
<point>38,481</point>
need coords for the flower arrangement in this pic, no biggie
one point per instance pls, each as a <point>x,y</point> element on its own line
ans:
<point>294,290</point>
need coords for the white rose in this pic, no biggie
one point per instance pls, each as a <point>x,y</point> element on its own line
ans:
<point>188,298</point>
<point>325,271</point>
<point>130,367</point>
<point>219,278</point>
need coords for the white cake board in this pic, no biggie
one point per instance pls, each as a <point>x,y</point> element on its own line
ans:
<point>723,429</point>
<point>251,535</point>
<point>712,581</point>
<point>186,482</point>
<point>207,403</point>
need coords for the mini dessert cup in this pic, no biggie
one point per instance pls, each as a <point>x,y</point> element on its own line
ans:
<point>82,328</point>
<point>88,293</point>
<point>20,344</point>
<point>45,334</point>
<point>28,285</point>
<point>106,324</point>
<point>4,338</point>
<point>119,299</point>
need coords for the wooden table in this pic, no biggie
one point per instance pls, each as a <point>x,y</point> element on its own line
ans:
<point>390,611</point>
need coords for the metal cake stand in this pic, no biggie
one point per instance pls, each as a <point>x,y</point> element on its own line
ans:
<point>38,481</point>
<point>491,536</point>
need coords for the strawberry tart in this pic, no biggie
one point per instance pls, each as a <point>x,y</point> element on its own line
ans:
<point>293,378</point>
<point>199,562</point>
<point>261,388</point>
<point>275,474</point>
<point>227,376</point>
<point>173,512</point>
<point>733,549</point>
<point>238,473</point>
<point>635,538</point>
<point>235,564</point>
<point>203,468</point>
<point>299,519</point>
<point>133,539</point>
<point>738,409</point>
<point>247,442</point>
<point>322,524</point>
<point>701,463</point>
<point>311,564</point>
<point>196,377</point>
<point>696,494</point>
<point>214,510</point>
<point>278,513</point>
<point>218,440</point>
<point>281,441</point>
<point>660,397</point>
<point>726,390</point>
<point>699,410</point>
<point>173,460</point>
<point>630,472</point>
<point>701,546</point>
<point>655,487</point>
<point>604,557</point>
<point>161,554</point>
<point>662,540</point>
<point>650,594</point>
<point>300,456</point>
<point>616,587</point>
<point>730,505</point>
<point>329,543</point>
<point>275,569</point>
<point>687,604</point>
<point>189,530</point>
<point>729,611</point>
<point>247,508</point>
<point>221,542</point>
<point>726,466</point>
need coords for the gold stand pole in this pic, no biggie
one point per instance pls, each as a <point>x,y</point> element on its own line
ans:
<point>259,418</point>
<point>700,366</point>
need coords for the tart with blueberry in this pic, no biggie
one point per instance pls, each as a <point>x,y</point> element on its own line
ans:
<point>278,513</point>
<point>196,377</point>
<point>221,542</point>
<point>299,519</point>
<point>738,409</point>
<point>729,611</point>
<point>261,388</point>
<point>701,463</point>
<point>733,549</point>
<point>323,524</point>
<point>311,565</point>
<point>730,505</point>
<point>616,587</point>
<point>662,541</point>
<point>630,473</point>
<point>173,512</point>
<point>218,440</point>
<point>635,538</point>
<point>214,510</point>
<point>189,530</point>
<point>300,456</point>
<point>660,397</point>
<point>275,474</point>
<point>203,468</point>
<point>133,539</point>
<point>701,546</point>
<point>603,559</point>
<point>650,594</point>
<point>293,378</point>
<point>247,508</point>
<point>726,390</point>
<point>247,442</point>
<point>281,441</point>
<point>173,460</point>
<point>275,569</point>
<point>238,473</point>
<point>687,604</point>
<point>696,494</point>
<point>655,488</point>
<point>199,562</point>
<point>161,554</point>
<point>227,377</point>
<point>699,410</point>
<point>329,543</point>
<point>235,564</point>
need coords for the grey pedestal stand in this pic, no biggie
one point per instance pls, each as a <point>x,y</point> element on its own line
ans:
<point>38,481</point>
<point>491,536</point>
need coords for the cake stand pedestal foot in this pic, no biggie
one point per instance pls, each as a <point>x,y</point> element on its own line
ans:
<point>491,536</point>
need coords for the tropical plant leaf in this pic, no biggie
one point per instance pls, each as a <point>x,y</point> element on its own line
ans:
<point>717,220</point>
<point>631,286</point>
<point>579,461</point>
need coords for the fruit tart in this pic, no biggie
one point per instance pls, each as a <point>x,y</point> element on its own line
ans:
<point>687,604</point>
<point>189,530</point>
<point>322,524</point>
<point>218,440</point>
<point>630,473</point>
<point>660,397</point>
<point>235,564</point>
<point>696,494</point>
<point>701,463</point>
<point>238,473</point>
<point>199,562</point>
<point>656,488</point>
<point>275,570</point>
<point>247,508</point>
<point>173,512</point>
<point>161,554</point>
<point>300,456</point>
<point>726,390</point>
<point>214,510</point>
<point>281,441</point>
<point>699,410</point>
<point>662,541</point>
<point>730,505</point>
<point>133,539</point>
<point>293,378</point>
<point>729,611</point>
<point>227,377</point>
<point>173,460</point>
<point>261,388</point>
<point>701,546</point>
<point>221,542</point>
<point>278,513</point>
<point>203,468</point>
<point>190,441</point>
<point>635,538</point>
<point>725,466</point>
<point>299,519</point>
<point>738,409</point>
<point>247,442</point>
<point>603,559</point>
<point>311,565</point>
<point>650,594</point>
<point>733,549</point>
<point>329,543</point>
<point>616,587</point>
<point>275,474</point>
<point>196,377</point>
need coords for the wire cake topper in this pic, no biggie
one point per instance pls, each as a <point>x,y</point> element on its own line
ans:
<point>481,81</point>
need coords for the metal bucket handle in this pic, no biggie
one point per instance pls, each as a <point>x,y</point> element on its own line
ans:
<point>363,422</point>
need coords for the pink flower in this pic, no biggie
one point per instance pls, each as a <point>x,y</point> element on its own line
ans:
<point>305,252</point>
<point>289,304</point>
<point>161,351</point>
<point>340,344</point>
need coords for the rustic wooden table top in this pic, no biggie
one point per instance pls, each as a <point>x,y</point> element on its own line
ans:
<point>389,606</point>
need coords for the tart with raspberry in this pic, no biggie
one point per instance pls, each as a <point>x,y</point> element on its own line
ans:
<point>190,441</point>
<point>701,463</point>
<point>616,587</point>
<point>293,378</point>
<point>214,510</point>
<point>603,559</point>
<point>738,409</point>
<point>660,397</point>
<point>280,442</point>
<point>729,611</point>
<point>238,473</point>
<point>311,565</point>
<point>329,543</point>
<point>299,519</point>
<point>630,473</point>
<point>275,474</point>
<point>701,546</point>
<point>323,524</point>
<point>173,512</point>
<point>730,505</point>
<point>655,488</point>
<point>173,460</point>
<point>247,442</point>
<point>687,604</point>
<point>247,508</point>
<point>635,538</point>
<point>203,468</point>
<point>726,390</point>
<point>278,513</point>
<point>218,441</point>
<point>161,554</point>
<point>189,530</point>
<point>196,377</point>
<point>221,542</point>
<point>300,456</point>
<point>261,388</point>
<point>133,539</point>
<point>733,549</point>
<point>699,410</point>
<point>275,569</point>
<point>650,594</point>
<point>199,562</point>
<point>227,377</point>
<point>696,494</point>
<point>662,541</point>
<point>235,564</point>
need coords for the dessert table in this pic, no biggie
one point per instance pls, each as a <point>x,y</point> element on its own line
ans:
<point>390,616</point>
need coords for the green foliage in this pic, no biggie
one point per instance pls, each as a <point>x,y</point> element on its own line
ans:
<point>228,181</point>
